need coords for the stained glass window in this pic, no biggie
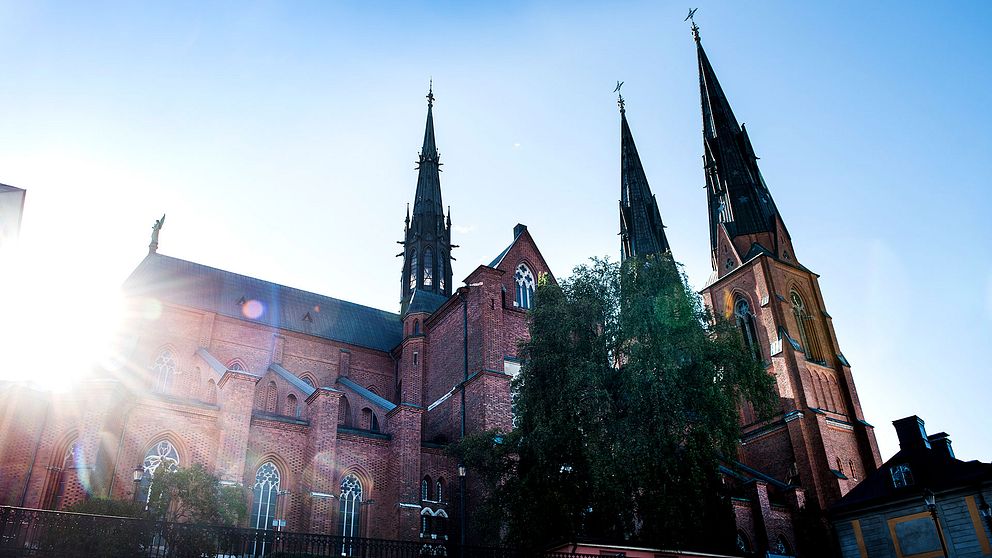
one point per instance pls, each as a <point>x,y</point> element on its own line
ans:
<point>162,454</point>
<point>266,491</point>
<point>351,501</point>
<point>164,367</point>
<point>525,286</point>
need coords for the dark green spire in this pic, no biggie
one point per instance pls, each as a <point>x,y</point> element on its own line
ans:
<point>427,243</point>
<point>641,230</point>
<point>738,197</point>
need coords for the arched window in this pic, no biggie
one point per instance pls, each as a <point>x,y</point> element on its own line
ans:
<point>807,333</point>
<point>369,420</point>
<point>440,271</point>
<point>351,501</point>
<point>266,493</point>
<point>309,381</point>
<point>416,327</point>
<point>164,367</point>
<point>292,407</point>
<point>211,395</point>
<point>743,544</point>
<point>161,455</point>
<point>780,546</point>
<point>270,398</point>
<point>425,489</point>
<point>438,491</point>
<point>374,427</point>
<point>525,286</point>
<point>428,267</point>
<point>56,491</point>
<point>344,412</point>
<point>237,366</point>
<point>745,320</point>
<point>414,269</point>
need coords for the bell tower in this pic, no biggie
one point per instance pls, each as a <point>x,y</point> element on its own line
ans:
<point>427,235</point>
<point>817,438</point>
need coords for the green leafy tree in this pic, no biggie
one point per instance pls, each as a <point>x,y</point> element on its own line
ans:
<point>193,495</point>
<point>626,401</point>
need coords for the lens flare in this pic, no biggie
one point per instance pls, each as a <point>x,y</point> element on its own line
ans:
<point>253,309</point>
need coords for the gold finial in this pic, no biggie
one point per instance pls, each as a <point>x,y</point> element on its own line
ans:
<point>430,93</point>
<point>695,28</point>
<point>620,102</point>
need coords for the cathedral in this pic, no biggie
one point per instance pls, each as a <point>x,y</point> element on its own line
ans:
<point>335,416</point>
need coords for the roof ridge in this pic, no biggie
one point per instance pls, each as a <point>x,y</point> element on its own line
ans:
<point>158,255</point>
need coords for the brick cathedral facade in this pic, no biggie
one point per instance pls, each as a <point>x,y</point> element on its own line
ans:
<point>335,416</point>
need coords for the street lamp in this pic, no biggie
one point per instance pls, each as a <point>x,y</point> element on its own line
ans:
<point>930,499</point>
<point>461,503</point>
<point>139,475</point>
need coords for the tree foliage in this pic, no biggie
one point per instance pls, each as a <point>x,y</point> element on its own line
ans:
<point>193,495</point>
<point>627,398</point>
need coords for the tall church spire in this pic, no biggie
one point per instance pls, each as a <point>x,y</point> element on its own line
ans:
<point>427,243</point>
<point>641,231</point>
<point>737,195</point>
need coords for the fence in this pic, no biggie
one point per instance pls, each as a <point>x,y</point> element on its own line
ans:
<point>31,532</point>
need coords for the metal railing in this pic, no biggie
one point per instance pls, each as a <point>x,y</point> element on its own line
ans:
<point>32,532</point>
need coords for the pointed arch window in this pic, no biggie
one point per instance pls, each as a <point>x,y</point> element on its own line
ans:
<point>745,320</point>
<point>438,492</point>
<point>237,366</point>
<point>56,491</point>
<point>525,286</point>
<point>292,406</point>
<point>425,488</point>
<point>211,395</point>
<point>350,505</point>
<point>266,494</point>
<point>440,271</point>
<point>428,267</point>
<point>162,456</point>
<point>414,269</point>
<point>807,331</point>
<point>164,368</point>
<point>270,398</point>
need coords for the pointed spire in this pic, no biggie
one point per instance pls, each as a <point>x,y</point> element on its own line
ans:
<point>642,232</point>
<point>738,197</point>
<point>427,234</point>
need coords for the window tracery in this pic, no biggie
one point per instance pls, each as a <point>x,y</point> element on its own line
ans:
<point>164,367</point>
<point>350,503</point>
<point>265,493</point>
<point>525,286</point>
<point>745,320</point>
<point>161,455</point>
<point>807,331</point>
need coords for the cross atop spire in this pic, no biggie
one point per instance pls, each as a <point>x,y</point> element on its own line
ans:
<point>695,28</point>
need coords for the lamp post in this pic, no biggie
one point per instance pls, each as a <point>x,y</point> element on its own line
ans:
<point>930,499</point>
<point>139,475</point>
<point>461,504</point>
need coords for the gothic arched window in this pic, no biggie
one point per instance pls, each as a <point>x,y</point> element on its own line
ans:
<point>438,491</point>
<point>428,267</point>
<point>414,269</point>
<point>211,395</point>
<point>807,333</point>
<point>266,492</point>
<point>164,367</point>
<point>525,286</point>
<point>351,501</point>
<point>237,366</point>
<point>344,412</point>
<point>161,455</point>
<point>425,489</point>
<point>292,407</point>
<point>743,544</point>
<point>440,271</point>
<point>270,398</point>
<point>745,320</point>
<point>56,491</point>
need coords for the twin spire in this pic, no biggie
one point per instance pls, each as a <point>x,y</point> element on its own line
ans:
<point>737,196</point>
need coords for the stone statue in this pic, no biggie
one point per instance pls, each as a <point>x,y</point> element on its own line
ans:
<point>153,247</point>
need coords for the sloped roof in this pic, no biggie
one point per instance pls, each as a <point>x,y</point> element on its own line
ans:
<point>425,301</point>
<point>185,283</point>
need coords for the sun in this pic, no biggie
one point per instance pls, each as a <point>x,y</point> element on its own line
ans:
<point>58,321</point>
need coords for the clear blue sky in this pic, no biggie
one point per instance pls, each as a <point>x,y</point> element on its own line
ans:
<point>280,139</point>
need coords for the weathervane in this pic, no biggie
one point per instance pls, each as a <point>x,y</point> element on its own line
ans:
<point>619,97</point>
<point>430,93</point>
<point>695,28</point>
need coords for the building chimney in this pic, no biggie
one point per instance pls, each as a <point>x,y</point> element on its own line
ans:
<point>518,230</point>
<point>911,433</point>
<point>941,444</point>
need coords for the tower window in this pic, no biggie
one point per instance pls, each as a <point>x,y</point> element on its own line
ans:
<point>807,332</point>
<point>164,367</point>
<point>902,476</point>
<point>428,267</point>
<point>440,272</point>
<point>745,320</point>
<point>414,269</point>
<point>525,286</point>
